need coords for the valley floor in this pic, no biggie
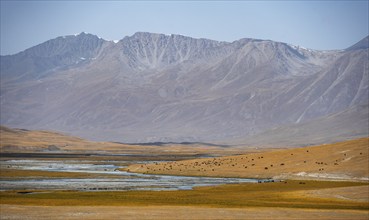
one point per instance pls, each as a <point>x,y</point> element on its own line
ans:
<point>276,200</point>
<point>305,186</point>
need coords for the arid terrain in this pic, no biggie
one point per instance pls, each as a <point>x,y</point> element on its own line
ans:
<point>340,161</point>
<point>172,212</point>
<point>26,141</point>
<point>316,182</point>
<point>184,110</point>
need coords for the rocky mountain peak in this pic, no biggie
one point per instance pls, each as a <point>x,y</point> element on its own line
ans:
<point>150,50</point>
<point>363,44</point>
<point>58,53</point>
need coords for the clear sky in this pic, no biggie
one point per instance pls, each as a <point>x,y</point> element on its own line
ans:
<point>312,24</point>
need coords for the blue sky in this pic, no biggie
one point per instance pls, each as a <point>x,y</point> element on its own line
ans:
<point>312,24</point>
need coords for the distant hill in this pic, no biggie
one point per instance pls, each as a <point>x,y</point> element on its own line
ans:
<point>170,88</point>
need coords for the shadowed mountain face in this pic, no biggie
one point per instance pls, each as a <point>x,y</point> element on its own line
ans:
<point>154,87</point>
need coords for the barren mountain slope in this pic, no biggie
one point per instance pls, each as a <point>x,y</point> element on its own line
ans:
<point>154,87</point>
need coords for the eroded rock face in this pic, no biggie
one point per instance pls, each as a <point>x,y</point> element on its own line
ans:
<point>154,87</point>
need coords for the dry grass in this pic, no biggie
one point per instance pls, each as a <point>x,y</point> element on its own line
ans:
<point>172,212</point>
<point>344,160</point>
<point>281,194</point>
<point>355,193</point>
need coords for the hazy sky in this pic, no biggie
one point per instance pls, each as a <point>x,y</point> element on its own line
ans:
<point>311,24</point>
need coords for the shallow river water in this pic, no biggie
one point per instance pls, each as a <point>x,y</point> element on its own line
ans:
<point>121,180</point>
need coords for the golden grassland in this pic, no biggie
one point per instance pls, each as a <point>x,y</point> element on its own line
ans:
<point>173,212</point>
<point>290,194</point>
<point>343,160</point>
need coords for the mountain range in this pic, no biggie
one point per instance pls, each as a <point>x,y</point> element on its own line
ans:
<point>170,88</point>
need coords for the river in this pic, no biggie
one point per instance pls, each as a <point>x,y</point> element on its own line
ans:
<point>111,178</point>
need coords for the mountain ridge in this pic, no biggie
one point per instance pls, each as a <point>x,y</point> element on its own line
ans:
<point>172,88</point>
